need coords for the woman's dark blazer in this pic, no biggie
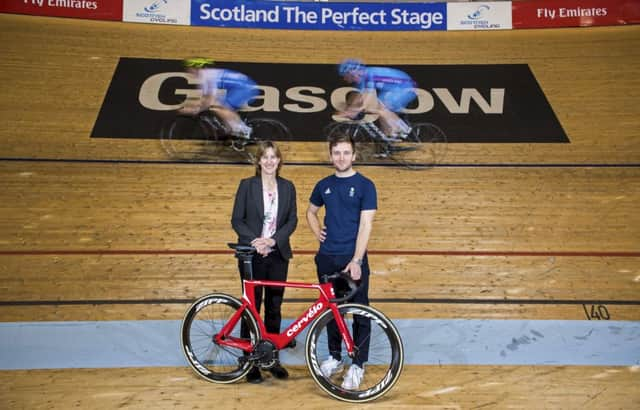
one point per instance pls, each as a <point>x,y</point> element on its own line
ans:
<point>248,213</point>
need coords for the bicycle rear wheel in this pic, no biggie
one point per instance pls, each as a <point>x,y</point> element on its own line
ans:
<point>366,147</point>
<point>425,146</point>
<point>203,320</point>
<point>382,353</point>
<point>190,138</point>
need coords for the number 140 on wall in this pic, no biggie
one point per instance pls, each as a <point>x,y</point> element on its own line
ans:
<point>596,312</point>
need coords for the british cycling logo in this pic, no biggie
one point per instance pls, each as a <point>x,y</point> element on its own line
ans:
<point>479,13</point>
<point>155,6</point>
<point>156,12</point>
<point>479,19</point>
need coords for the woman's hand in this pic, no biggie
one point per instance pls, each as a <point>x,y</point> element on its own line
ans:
<point>264,246</point>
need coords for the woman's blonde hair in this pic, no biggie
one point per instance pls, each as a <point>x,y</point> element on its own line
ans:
<point>262,148</point>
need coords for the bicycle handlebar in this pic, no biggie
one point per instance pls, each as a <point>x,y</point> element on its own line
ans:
<point>353,287</point>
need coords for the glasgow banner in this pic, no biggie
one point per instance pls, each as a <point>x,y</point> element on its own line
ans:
<point>471,103</point>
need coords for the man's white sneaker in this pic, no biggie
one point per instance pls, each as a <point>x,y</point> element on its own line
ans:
<point>331,366</point>
<point>353,378</point>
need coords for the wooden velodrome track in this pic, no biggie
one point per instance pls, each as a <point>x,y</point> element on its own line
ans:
<point>467,241</point>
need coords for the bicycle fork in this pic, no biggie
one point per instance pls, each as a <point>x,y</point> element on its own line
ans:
<point>344,331</point>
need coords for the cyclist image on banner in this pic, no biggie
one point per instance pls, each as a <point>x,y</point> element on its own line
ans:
<point>224,91</point>
<point>385,91</point>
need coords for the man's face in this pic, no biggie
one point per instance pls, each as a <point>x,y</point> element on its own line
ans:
<point>353,76</point>
<point>342,156</point>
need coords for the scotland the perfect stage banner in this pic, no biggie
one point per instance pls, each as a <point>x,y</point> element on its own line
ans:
<point>320,16</point>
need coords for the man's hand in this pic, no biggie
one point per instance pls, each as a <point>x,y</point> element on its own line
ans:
<point>322,235</point>
<point>191,107</point>
<point>188,110</point>
<point>314,223</point>
<point>354,270</point>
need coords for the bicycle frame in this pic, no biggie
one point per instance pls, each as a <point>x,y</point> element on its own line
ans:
<point>281,340</point>
<point>211,117</point>
<point>375,133</point>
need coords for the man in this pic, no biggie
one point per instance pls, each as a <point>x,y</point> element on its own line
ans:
<point>350,202</point>
<point>238,91</point>
<point>384,91</point>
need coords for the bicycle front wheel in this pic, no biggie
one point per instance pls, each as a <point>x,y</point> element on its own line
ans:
<point>203,320</point>
<point>268,129</point>
<point>380,349</point>
<point>189,138</point>
<point>425,146</point>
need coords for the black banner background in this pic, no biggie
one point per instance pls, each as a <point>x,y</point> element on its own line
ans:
<point>526,116</point>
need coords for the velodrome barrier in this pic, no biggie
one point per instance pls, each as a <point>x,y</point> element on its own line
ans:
<point>496,15</point>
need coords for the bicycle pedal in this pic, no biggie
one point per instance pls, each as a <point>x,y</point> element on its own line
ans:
<point>255,357</point>
<point>238,145</point>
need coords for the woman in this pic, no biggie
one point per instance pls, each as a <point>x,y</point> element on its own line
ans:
<point>265,216</point>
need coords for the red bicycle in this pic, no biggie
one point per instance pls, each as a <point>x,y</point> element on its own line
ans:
<point>218,351</point>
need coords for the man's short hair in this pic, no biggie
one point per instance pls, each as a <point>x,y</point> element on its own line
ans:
<point>339,137</point>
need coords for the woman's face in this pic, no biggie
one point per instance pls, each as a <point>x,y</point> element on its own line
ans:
<point>269,162</point>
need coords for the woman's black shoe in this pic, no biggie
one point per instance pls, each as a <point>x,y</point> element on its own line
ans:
<point>254,375</point>
<point>279,372</point>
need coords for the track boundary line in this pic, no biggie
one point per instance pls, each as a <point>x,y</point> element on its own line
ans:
<point>393,165</point>
<point>398,252</point>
